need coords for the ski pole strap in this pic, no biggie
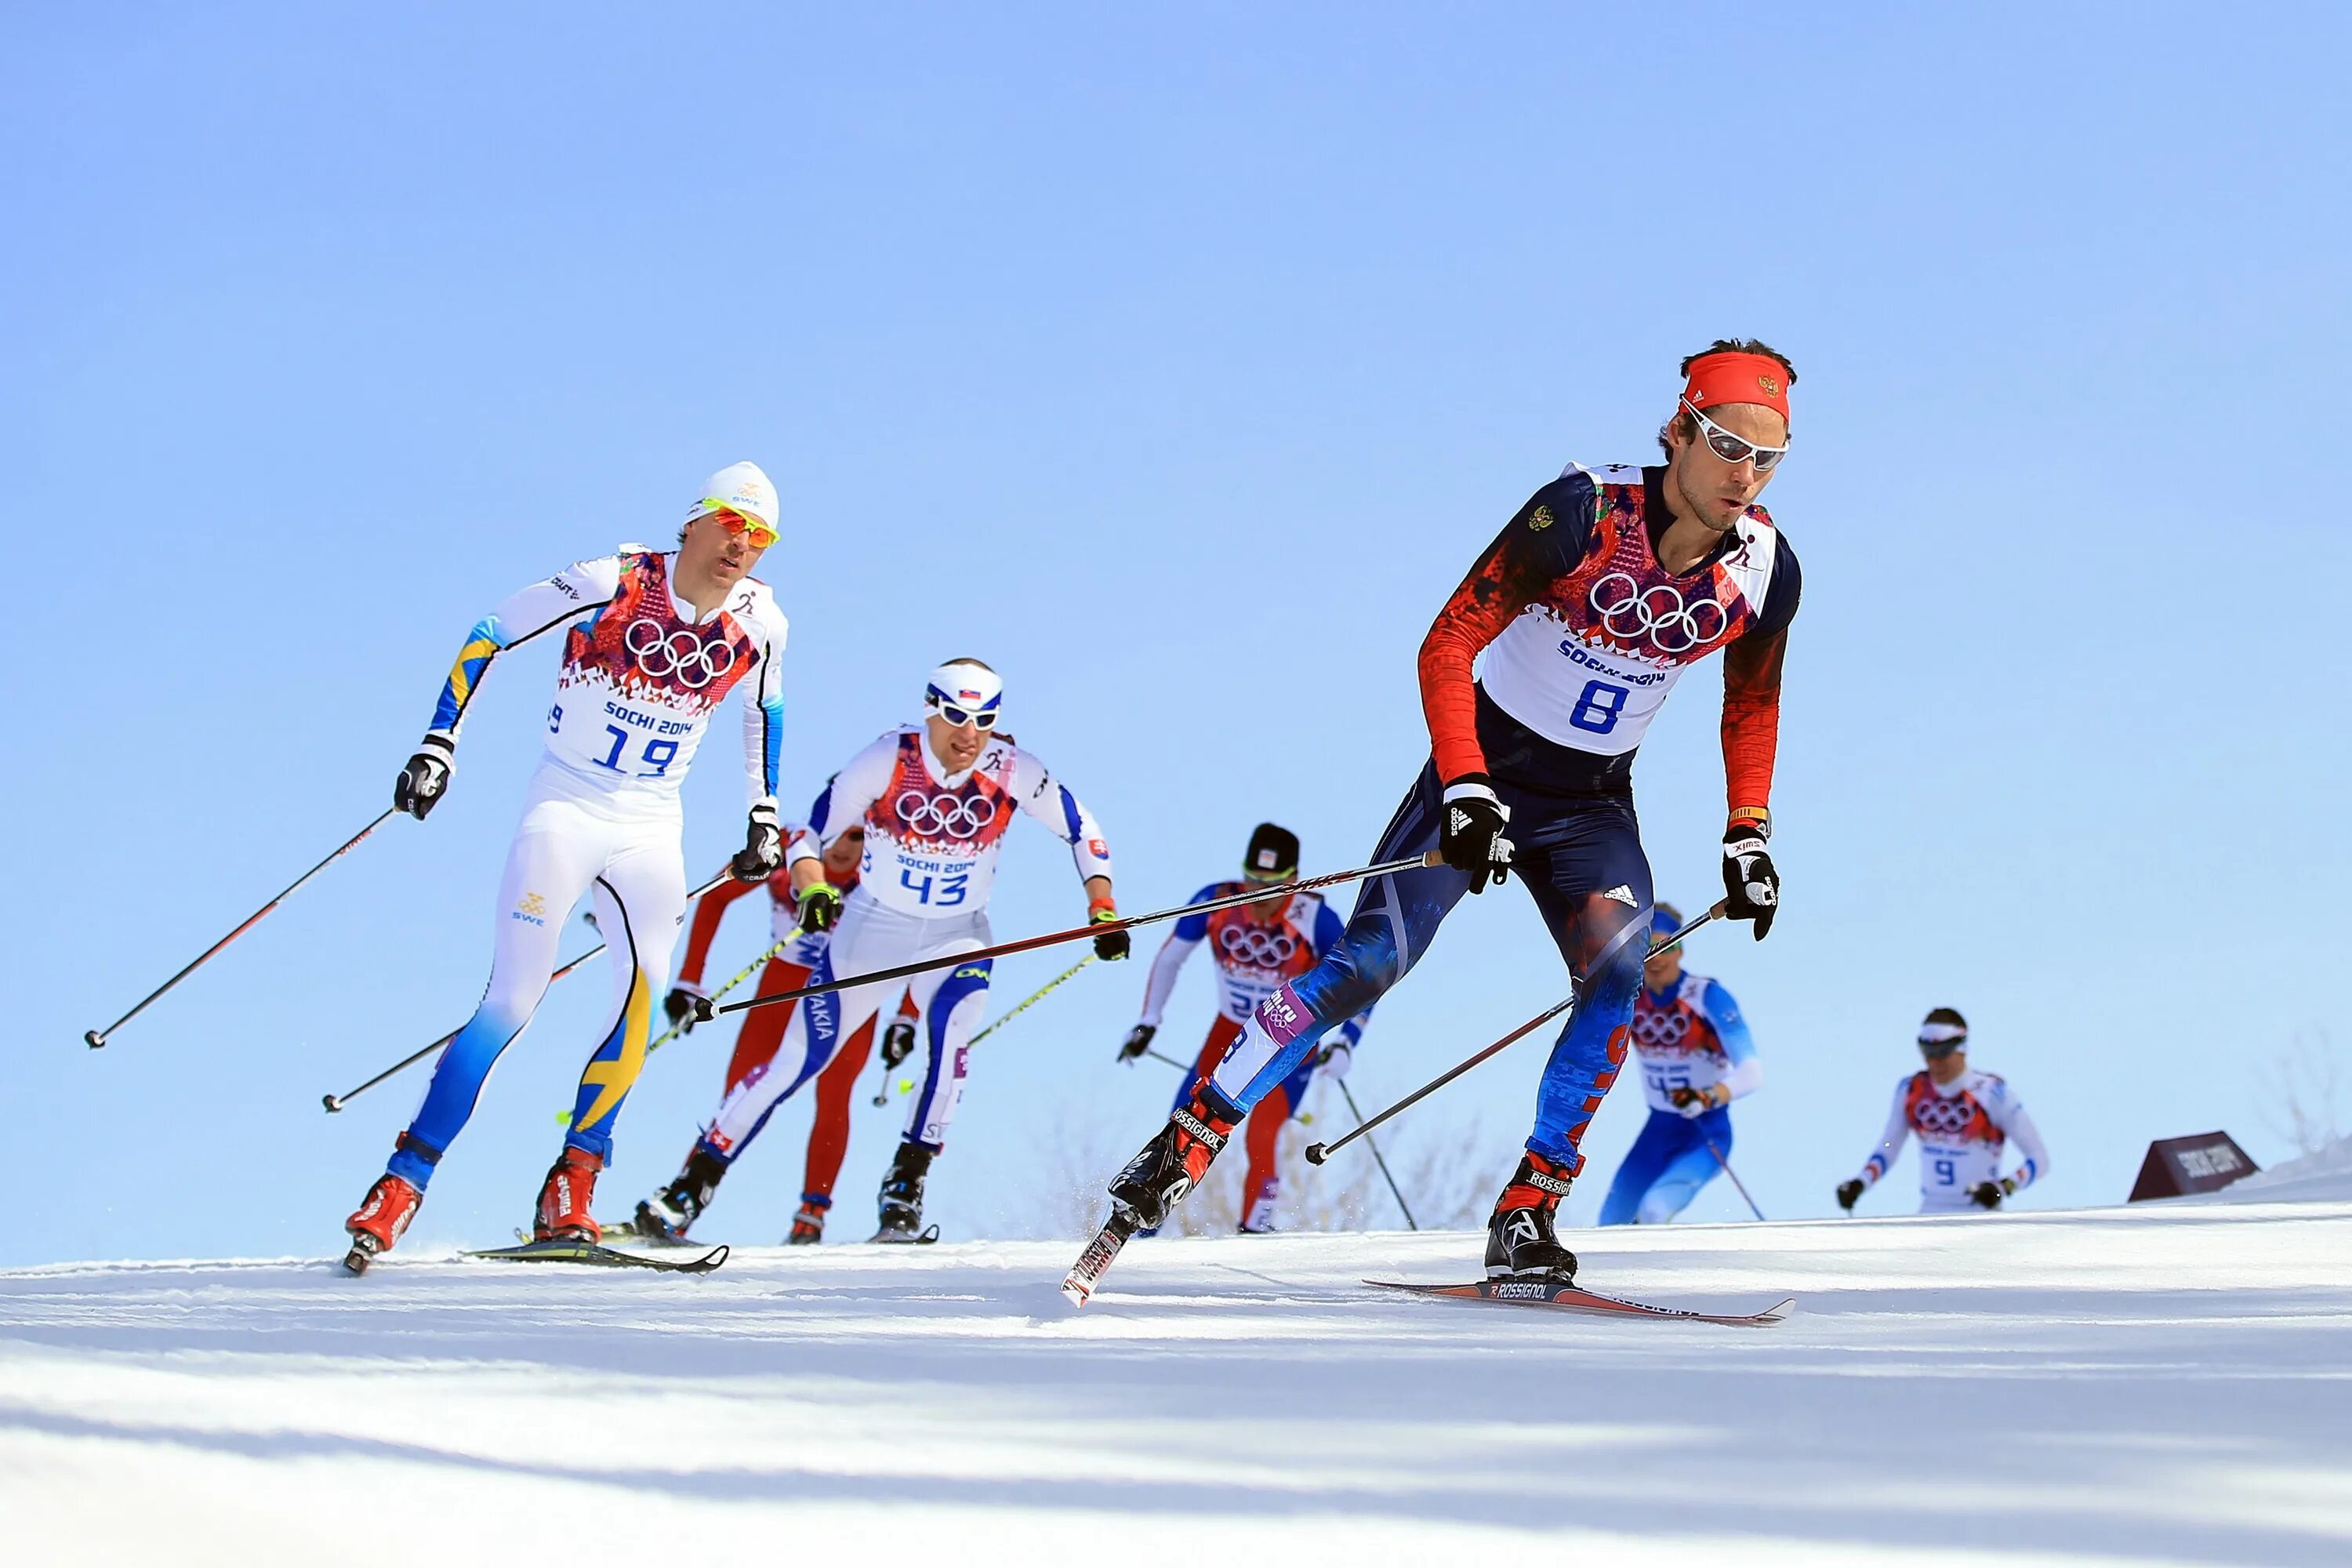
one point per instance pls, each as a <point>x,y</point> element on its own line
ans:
<point>1028,944</point>
<point>334,1102</point>
<point>1025,1002</point>
<point>96,1039</point>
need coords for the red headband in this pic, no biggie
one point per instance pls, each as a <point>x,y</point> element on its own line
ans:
<point>1737,378</point>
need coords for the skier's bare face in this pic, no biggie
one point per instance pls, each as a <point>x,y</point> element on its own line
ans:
<point>1661,970</point>
<point>1947,1067</point>
<point>713,559</point>
<point>844,852</point>
<point>958,745</point>
<point>1709,488</point>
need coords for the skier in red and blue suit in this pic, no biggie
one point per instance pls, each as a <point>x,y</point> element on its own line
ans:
<point>1256,947</point>
<point>1697,1058</point>
<point>1602,590</point>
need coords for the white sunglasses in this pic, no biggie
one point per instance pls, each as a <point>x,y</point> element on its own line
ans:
<point>1734,448</point>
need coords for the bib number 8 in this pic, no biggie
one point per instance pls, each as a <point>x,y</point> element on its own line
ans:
<point>1598,708</point>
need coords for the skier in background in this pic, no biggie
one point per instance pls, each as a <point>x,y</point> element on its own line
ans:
<point>1256,947</point>
<point>1697,1058</point>
<point>1963,1119</point>
<point>655,639</point>
<point>1596,597</point>
<point>935,799</point>
<point>763,1028</point>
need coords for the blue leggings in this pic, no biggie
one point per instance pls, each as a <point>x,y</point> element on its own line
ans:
<point>1666,1166</point>
<point>1579,858</point>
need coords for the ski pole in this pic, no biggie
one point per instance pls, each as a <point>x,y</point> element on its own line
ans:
<point>882,1097</point>
<point>741,975</point>
<point>1318,1152</point>
<point>1394,1191</point>
<point>1735,1178</point>
<point>334,1102</point>
<point>705,1012</point>
<point>1171,1061</point>
<point>96,1039</point>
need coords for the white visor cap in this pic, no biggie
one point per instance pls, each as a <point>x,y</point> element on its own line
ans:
<point>962,683</point>
<point>742,488</point>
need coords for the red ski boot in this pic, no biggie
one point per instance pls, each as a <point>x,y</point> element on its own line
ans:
<point>808,1225</point>
<point>390,1205</point>
<point>565,1199</point>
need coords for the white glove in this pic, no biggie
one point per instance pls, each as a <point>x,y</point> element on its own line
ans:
<point>1335,1061</point>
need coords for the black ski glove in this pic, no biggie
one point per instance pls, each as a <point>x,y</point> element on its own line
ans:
<point>1111,944</point>
<point>898,1042</point>
<point>678,1006</point>
<point>819,908</point>
<point>1470,831</point>
<point>1751,886</point>
<point>764,846</point>
<point>1988,1194</point>
<point>425,778</point>
<point>1849,1194</point>
<point>1138,1040</point>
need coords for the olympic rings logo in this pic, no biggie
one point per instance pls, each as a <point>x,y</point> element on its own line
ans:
<point>1937,1114</point>
<point>678,655</point>
<point>1662,1031</point>
<point>945,816</point>
<point>1254,947</point>
<point>1657,612</point>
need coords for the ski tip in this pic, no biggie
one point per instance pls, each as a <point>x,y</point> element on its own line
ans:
<point>1774,1314</point>
<point>1076,1291</point>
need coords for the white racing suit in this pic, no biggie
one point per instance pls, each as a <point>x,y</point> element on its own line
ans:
<point>931,842</point>
<point>641,671</point>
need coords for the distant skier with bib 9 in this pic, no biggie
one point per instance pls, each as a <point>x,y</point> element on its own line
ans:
<point>1964,1119</point>
<point>1602,590</point>
<point>762,1032</point>
<point>1256,947</point>
<point>652,641</point>
<point>1697,1058</point>
<point>935,800</point>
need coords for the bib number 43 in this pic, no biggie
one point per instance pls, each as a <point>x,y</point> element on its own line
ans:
<point>943,891</point>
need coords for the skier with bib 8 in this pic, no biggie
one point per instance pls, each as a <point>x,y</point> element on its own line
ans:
<point>1602,590</point>
<point>935,799</point>
<point>655,640</point>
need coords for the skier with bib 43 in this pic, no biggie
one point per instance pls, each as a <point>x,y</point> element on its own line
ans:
<point>652,641</point>
<point>1602,590</point>
<point>935,799</point>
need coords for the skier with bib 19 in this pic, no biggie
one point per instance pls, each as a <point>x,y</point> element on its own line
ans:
<point>1256,947</point>
<point>655,639</point>
<point>935,799</point>
<point>1601,590</point>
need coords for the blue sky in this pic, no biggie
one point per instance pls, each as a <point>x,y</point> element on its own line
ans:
<point>1178,363</point>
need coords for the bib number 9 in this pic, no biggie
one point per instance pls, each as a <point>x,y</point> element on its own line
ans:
<point>1945,1173</point>
<point>1598,708</point>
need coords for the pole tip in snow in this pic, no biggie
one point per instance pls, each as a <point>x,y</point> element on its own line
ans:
<point>1315,1153</point>
<point>95,1040</point>
<point>330,1103</point>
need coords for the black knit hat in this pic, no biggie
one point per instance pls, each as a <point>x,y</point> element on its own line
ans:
<point>1272,855</point>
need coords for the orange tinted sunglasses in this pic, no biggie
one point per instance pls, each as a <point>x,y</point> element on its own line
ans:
<point>734,521</point>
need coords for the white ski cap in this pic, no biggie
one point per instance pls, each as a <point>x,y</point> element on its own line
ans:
<point>739,487</point>
<point>965,683</point>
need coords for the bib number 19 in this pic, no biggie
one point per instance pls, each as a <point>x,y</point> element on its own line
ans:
<point>1598,708</point>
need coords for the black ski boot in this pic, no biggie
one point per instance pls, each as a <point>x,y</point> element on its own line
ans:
<point>669,1212</point>
<point>1175,1161</point>
<point>902,1198</point>
<point>1520,1241</point>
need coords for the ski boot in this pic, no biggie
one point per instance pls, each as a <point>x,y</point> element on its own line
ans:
<point>1520,1241</point>
<point>382,1215</point>
<point>902,1198</point>
<point>566,1197</point>
<point>1174,1161</point>
<point>1259,1219</point>
<point>669,1212</point>
<point>808,1224</point>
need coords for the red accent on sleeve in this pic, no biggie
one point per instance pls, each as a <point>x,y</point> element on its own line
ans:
<point>707,912</point>
<point>1751,718</point>
<point>1475,615</point>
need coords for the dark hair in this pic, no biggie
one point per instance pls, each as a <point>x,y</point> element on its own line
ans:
<point>1682,424</point>
<point>1945,1015</point>
<point>975,663</point>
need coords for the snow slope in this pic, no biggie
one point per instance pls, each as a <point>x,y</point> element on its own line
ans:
<point>2145,1385</point>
